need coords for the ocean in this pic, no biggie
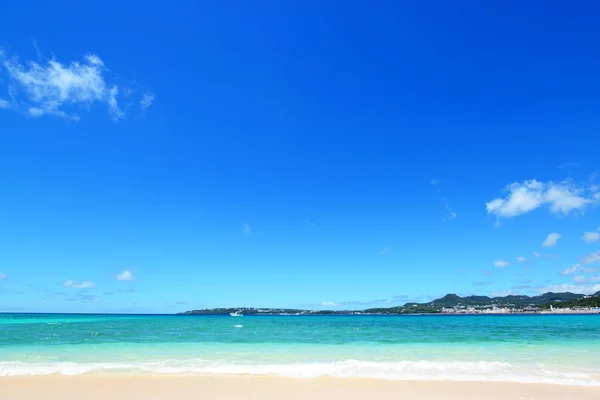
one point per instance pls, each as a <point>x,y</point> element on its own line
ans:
<point>561,349</point>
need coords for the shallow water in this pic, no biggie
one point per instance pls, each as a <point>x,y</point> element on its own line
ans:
<point>535,348</point>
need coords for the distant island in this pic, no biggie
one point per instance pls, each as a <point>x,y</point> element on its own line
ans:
<point>547,303</point>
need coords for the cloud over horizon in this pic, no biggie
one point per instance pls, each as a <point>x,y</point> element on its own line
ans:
<point>568,287</point>
<point>79,285</point>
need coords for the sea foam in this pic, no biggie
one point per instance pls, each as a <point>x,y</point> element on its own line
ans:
<point>490,371</point>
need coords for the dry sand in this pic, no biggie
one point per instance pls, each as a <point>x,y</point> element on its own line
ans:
<point>271,388</point>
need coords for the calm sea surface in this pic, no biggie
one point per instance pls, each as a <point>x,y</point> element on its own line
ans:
<point>550,348</point>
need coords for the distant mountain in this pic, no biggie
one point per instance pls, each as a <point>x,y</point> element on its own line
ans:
<point>552,297</point>
<point>451,300</point>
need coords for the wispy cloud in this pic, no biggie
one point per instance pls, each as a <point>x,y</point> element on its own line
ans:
<point>501,264</point>
<point>247,230</point>
<point>561,198</point>
<point>551,240</point>
<point>128,290</point>
<point>49,294</point>
<point>520,287</point>
<point>568,165</point>
<point>147,100</point>
<point>384,251</point>
<point>502,293</point>
<point>521,259</point>
<point>586,279</point>
<point>591,237</point>
<point>79,285</point>
<point>591,258</point>
<point>571,270</point>
<point>567,287</point>
<point>125,276</point>
<point>450,213</point>
<point>479,284</point>
<point>3,276</point>
<point>394,300</point>
<point>61,89</point>
<point>84,298</point>
<point>539,255</point>
<point>329,304</point>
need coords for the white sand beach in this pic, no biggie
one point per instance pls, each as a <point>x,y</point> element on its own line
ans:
<point>104,387</point>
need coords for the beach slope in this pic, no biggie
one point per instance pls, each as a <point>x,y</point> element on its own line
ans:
<point>272,388</point>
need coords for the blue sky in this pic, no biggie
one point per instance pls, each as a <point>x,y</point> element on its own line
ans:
<point>295,154</point>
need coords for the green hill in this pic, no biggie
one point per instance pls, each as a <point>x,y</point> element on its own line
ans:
<point>513,301</point>
<point>451,300</point>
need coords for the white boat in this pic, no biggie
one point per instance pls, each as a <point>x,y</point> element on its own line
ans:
<point>236,314</point>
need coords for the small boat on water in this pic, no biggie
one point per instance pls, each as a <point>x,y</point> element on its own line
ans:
<point>236,314</point>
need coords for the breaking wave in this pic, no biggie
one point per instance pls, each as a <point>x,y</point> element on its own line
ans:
<point>491,371</point>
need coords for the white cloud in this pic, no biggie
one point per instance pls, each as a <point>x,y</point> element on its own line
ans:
<point>502,293</point>
<point>521,259</point>
<point>551,240</point>
<point>583,279</point>
<point>560,197</point>
<point>79,285</point>
<point>147,100</point>
<point>125,276</point>
<point>567,287</point>
<point>329,304</point>
<point>3,276</point>
<point>501,264</point>
<point>384,251</point>
<point>538,255</point>
<point>59,89</point>
<point>591,258</point>
<point>589,270</point>
<point>246,230</point>
<point>451,214</point>
<point>591,237</point>
<point>571,270</point>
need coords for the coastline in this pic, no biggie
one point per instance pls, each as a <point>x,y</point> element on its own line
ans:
<point>158,387</point>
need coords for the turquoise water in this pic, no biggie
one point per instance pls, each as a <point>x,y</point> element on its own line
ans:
<point>550,348</point>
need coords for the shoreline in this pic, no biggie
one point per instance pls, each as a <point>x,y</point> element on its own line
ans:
<point>315,314</point>
<point>158,387</point>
